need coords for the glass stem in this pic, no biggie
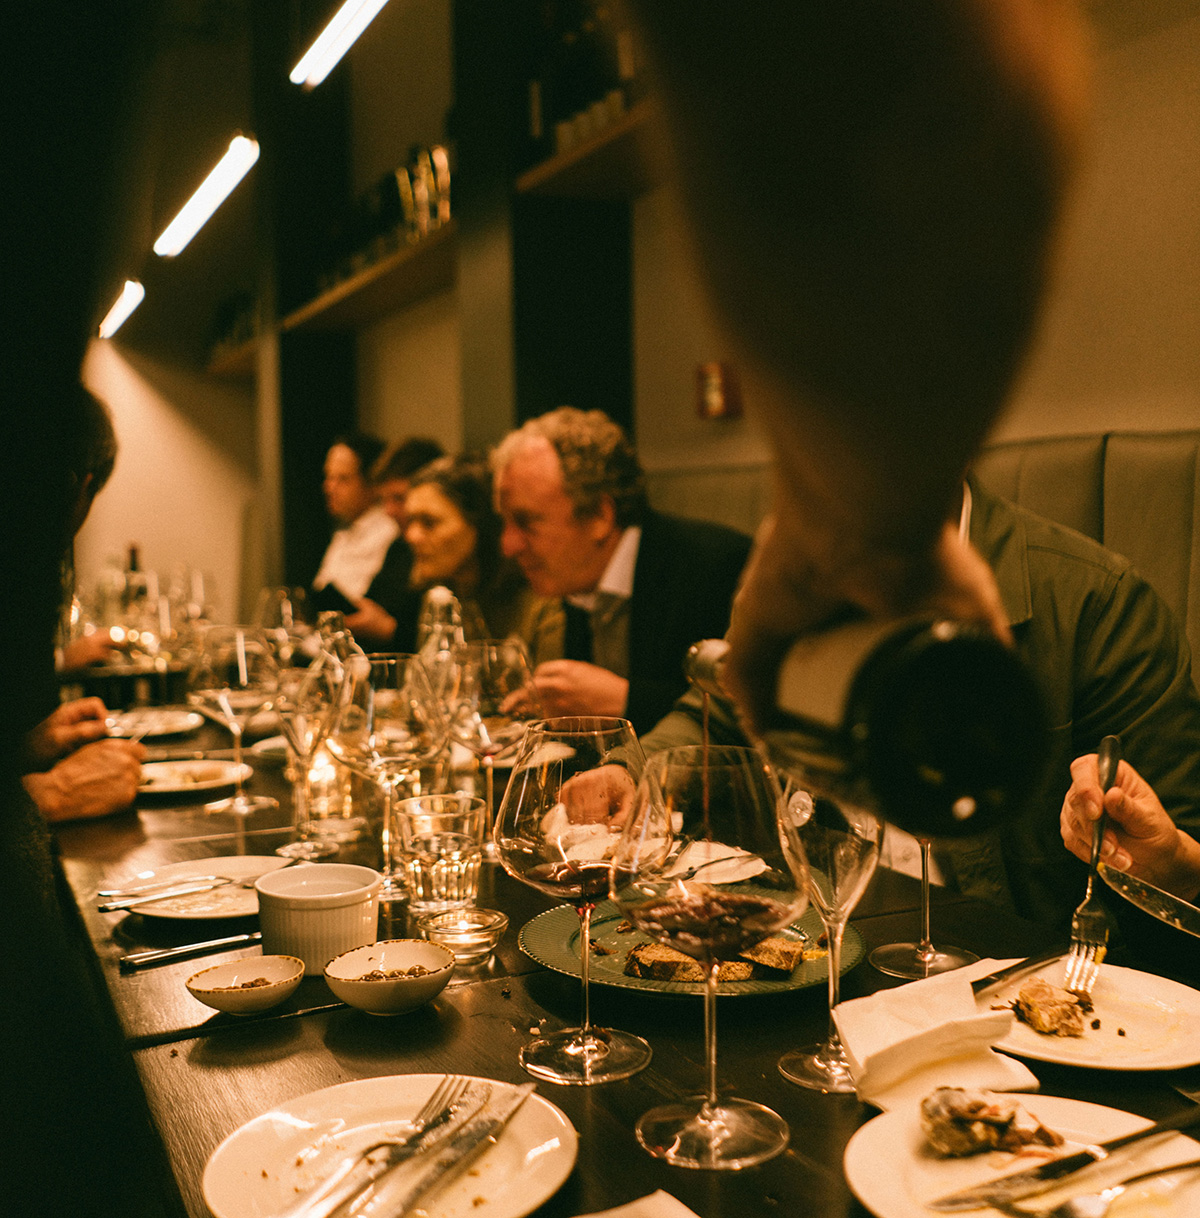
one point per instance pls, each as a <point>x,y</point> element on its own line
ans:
<point>302,794</point>
<point>710,1037</point>
<point>925,947</point>
<point>585,964</point>
<point>387,787</point>
<point>235,730</point>
<point>834,930</point>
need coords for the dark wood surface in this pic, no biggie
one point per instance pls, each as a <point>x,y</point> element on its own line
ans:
<point>206,1074</point>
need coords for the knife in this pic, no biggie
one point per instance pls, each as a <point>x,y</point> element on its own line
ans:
<point>448,1160</point>
<point>164,955</point>
<point>1165,906</point>
<point>1028,1183</point>
<point>165,894</point>
<point>1015,970</point>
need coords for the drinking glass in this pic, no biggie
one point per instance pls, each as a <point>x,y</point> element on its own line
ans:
<point>494,703</point>
<point>283,616</point>
<point>233,678</point>
<point>387,725</point>
<point>841,842</point>
<point>572,787</point>
<point>921,959</point>
<point>441,838</point>
<point>709,865</point>
<point>305,703</point>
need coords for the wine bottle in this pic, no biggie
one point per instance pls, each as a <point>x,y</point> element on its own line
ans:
<point>936,724</point>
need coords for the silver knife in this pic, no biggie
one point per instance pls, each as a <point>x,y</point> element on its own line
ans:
<point>448,1160</point>
<point>164,955</point>
<point>1015,970</point>
<point>1033,1180</point>
<point>1164,906</point>
<point>145,898</point>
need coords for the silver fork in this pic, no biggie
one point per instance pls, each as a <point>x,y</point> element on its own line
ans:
<point>1095,1205</point>
<point>340,1185</point>
<point>1089,924</point>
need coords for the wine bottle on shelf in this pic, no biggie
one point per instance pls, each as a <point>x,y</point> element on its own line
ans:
<point>935,723</point>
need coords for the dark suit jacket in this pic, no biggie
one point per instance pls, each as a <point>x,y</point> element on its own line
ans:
<point>683,584</point>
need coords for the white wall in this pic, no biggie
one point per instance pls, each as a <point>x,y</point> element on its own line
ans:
<point>183,487</point>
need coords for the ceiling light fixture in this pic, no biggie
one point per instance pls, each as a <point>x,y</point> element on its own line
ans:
<point>334,41</point>
<point>210,194</point>
<point>129,299</point>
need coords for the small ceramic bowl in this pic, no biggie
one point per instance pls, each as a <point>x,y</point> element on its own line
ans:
<point>471,934</point>
<point>350,975</point>
<point>237,986</point>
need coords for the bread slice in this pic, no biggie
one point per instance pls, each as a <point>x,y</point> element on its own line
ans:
<point>657,962</point>
<point>776,952</point>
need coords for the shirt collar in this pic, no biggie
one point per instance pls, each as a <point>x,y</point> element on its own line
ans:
<point>617,579</point>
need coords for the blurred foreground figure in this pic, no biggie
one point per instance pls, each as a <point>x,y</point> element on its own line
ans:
<point>873,193</point>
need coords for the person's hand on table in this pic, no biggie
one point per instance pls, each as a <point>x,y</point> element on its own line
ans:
<point>572,687</point>
<point>371,622</point>
<point>88,649</point>
<point>95,780</point>
<point>787,591</point>
<point>600,796</point>
<point>1140,836</point>
<point>68,727</point>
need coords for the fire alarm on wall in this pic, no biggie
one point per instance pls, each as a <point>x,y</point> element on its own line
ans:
<point>717,392</point>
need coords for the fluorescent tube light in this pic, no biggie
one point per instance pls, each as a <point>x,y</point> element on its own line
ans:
<point>129,299</point>
<point>334,41</point>
<point>210,194</point>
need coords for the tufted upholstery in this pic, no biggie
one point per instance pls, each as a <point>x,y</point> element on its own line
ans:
<point>1134,492</point>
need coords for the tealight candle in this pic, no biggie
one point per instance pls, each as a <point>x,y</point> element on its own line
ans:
<point>471,934</point>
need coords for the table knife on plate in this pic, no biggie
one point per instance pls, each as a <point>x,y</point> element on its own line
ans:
<point>1033,1180</point>
<point>165,955</point>
<point>1015,970</point>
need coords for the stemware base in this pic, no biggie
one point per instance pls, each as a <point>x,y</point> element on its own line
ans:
<point>818,1067</point>
<point>915,960</point>
<point>727,1136</point>
<point>584,1057</point>
<point>243,805</point>
<point>307,850</point>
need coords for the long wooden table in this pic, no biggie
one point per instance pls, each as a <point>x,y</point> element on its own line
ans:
<point>206,1074</point>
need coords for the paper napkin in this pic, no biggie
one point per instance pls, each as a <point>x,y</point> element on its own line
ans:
<point>904,1042</point>
<point>654,1205</point>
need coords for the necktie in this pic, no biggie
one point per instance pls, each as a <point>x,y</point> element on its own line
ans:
<point>578,643</point>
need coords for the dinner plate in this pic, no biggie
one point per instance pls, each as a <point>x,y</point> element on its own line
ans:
<point>892,1173</point>
<point>263,1166</point>
<point>552,939</point>
<point>151,721</point>
<point>184,777</point>
<point>228,901</point>
<point>1145,1023</point>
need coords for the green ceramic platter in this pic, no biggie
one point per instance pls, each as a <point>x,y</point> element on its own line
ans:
<point>552,939</point>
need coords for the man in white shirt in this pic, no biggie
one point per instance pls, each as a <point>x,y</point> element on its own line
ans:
<point>365,530</point>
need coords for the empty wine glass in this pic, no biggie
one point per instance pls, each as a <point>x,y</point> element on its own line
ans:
<point>841,842</point>
<point>709,865</point>
<point>232,679</point>
<point>305,702</point>
<point>494,703</point>
<point>572,787</point>
<point>920,959</point>
<point>283,616</point>
<point>387,725</point>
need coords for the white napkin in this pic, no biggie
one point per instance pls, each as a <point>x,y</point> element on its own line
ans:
<point>735,864</point>
<point>654,1205</point>
<point>904,1042</point>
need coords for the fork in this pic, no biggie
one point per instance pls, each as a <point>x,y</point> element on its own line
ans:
<point>1094,1205</point>
<point>1089,923</point>
<point>327,1196</point>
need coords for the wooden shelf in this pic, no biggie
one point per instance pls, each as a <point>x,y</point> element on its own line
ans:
<point>395,281</point>
<point>234,362</point>
<point>612,164</point>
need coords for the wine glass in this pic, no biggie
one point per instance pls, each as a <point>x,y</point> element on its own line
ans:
<point>305,702</point>
<point>233,678</point>
<point>573,784</point>
<point>920,959</point>
<point>283,616</point>
<point>494,703</point>
<point>709,865</point>
<point>387,725</point>
<point>841,842</point>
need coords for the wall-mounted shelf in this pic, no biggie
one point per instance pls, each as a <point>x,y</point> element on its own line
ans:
<point>613,164</point>
<point>395,281</point>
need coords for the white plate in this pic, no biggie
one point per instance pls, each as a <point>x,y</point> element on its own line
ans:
<point>228,901</point>
<point>893,1175</point>
<point>181,777</point>
<point>261,1168</point>
<point>1146,1023</point>
<point>154,721</point>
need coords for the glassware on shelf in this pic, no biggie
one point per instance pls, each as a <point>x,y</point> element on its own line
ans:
<point>560,820</point>
<point>709,865</point>
<point>387,726</point>
<point>233,678</point>
<point>841,843</point>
